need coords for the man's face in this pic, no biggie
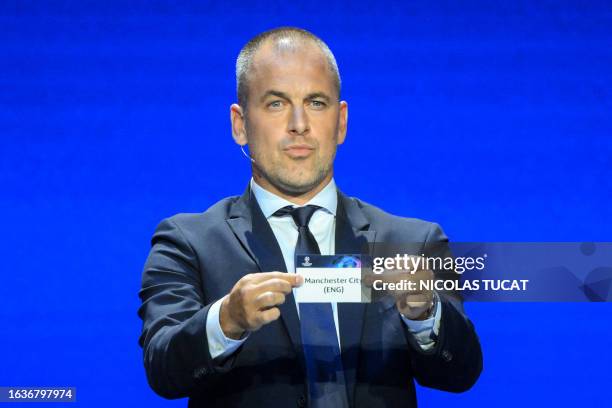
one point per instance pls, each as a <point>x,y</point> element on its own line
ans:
<point>293,120</point>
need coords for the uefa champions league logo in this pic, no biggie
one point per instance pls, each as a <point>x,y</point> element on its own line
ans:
<point>306,261</point>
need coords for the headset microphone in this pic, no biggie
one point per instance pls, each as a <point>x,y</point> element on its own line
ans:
<point>246,154</point>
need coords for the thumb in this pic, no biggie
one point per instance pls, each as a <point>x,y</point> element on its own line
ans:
<point>298,280</point>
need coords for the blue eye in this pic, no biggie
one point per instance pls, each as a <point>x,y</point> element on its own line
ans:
<point>318,104</point>
<point>275,104</point>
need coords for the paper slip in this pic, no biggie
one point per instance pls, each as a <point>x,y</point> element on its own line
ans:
<point>330,278</point>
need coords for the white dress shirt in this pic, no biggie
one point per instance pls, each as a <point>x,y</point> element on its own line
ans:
<point>322,225</point>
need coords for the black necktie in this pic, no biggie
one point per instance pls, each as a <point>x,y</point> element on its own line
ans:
<point>306,243</point>
<point>326,383</point>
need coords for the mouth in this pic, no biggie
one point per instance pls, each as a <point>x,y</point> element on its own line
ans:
<point>298,150</point>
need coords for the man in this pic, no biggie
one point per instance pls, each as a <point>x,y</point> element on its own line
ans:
<point>220,323</point>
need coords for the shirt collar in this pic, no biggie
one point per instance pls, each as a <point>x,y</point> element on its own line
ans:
<point>270,202</point>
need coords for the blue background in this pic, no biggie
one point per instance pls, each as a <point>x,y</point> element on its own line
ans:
<point>491,118</point>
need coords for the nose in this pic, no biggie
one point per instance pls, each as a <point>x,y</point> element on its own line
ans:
<point>298,122</point>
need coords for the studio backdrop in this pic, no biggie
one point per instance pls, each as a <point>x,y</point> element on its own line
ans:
<point>492,119</point>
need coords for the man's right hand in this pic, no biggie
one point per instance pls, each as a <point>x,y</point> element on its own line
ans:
<point>253,300</point>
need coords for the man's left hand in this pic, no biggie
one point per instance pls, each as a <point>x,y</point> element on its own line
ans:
<point>413,304</point>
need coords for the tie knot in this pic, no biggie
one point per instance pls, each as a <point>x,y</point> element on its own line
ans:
<point>301,215</point>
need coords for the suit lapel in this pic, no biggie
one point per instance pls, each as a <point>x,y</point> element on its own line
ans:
<point>255,234</point>
<point>352,236</point>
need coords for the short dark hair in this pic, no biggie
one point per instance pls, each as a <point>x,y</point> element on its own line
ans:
<point>245,58</point>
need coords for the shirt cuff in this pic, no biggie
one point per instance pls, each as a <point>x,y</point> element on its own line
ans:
<point>426,331</point>
<point>219,345</point>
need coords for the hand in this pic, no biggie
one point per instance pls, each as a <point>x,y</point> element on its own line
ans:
<point>253,299</point>
<point>413,304</point>
<point>416,305</point>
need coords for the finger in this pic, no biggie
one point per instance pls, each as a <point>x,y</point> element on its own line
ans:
<point>269,315</point>
<point>403,293</point>
<point>423,274</point>
<point>266,300</point>
<point>418,305</point>
<point>397,276</point>
<point>368,279</point>
<point>256,278</point>
<point>291,278</point>
<point>418,297</point>
<point>274,285</point>
<point>416,302</point>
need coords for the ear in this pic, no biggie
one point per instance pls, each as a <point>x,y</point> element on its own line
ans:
<point>342,122</point>
<point>238,124</point>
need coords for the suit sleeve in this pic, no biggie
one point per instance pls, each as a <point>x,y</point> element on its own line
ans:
<point>455,362</point>
<point>174,341</point>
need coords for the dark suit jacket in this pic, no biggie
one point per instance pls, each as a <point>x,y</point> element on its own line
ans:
<point>197,258</point>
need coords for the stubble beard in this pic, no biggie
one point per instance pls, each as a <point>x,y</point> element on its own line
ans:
<point>294,182</point>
